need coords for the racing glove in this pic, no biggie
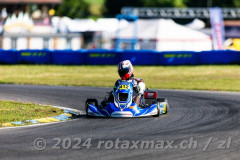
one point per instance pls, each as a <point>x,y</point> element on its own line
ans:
<point>136,88</point>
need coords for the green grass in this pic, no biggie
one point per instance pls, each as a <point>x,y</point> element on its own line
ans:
<point>217,78</point>
<point>16,111</point>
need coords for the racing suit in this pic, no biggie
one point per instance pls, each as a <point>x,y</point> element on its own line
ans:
<point>138,84</point>
<point>138,87</point>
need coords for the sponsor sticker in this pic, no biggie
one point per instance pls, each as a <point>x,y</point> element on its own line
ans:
<point>131,107</point>
<point>122,114</point>
<point>150,95</point>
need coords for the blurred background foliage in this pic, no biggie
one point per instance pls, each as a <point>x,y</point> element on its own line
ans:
<point>109,8</point>
<point>74,9</point>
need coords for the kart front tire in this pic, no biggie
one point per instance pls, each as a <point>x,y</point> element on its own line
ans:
<point>92,102</point>
<point>167,110</point>
<point>161,100</point>
<point>158,110</point>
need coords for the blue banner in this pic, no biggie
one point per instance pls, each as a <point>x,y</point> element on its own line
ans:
<point>178,58</point>
<point>68,57</point>
<point>35,56</point>
<point>113,57</point>
<point>8,57</point>
<point>219,57</point>
<point>218,34</point>
<point>140,57</point>
<point>102,57</point>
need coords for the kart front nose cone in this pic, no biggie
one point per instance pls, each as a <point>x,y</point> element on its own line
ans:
<point>122,114</point>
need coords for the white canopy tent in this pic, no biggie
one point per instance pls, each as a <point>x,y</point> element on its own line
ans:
<point>157,34</point>
<point>165,35</point>
<point>196,24</point>
<point>66,24</point>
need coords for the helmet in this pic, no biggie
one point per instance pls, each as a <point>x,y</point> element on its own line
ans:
<point>125,69</point>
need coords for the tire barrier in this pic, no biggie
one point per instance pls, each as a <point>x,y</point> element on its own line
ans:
<point>113,57</point>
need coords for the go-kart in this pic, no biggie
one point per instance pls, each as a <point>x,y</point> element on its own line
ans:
<point>124,106</point>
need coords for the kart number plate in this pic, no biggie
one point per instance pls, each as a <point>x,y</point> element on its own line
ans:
<point>124,87</point>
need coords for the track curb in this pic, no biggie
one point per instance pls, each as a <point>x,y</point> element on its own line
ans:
<point>69,114</point>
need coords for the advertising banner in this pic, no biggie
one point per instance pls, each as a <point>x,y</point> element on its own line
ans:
<point>216,19</point>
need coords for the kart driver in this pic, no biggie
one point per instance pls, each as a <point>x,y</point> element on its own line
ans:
<point>125,71</point>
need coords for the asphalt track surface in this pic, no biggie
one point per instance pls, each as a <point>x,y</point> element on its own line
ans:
<point>199,118</point>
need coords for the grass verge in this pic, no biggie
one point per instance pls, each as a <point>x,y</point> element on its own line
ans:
<point>216,78</point>
<point>16,111</point>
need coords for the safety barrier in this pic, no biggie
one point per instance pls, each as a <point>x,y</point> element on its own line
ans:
<point>102,57</point>
<point>34,56</point>
<point>113,57</point>
<point>143,57</point>
<point>8,57</point>
<point>179,58</point>
<point>219,57</point>
<point>67,57</point>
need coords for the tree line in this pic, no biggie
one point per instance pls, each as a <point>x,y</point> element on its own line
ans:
<point>110,8</point>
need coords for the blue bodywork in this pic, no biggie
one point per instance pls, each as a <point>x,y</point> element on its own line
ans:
<point>123,105</point>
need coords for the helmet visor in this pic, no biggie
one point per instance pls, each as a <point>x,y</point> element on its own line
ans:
<point>123,72</point>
